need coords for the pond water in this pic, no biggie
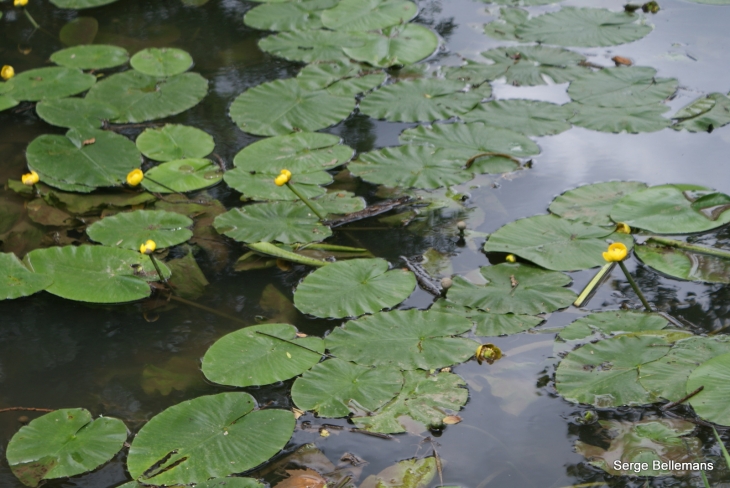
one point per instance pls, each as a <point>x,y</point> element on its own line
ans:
<point>516,430</point>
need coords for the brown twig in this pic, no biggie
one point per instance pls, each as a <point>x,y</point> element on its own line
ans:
<point>669,405</point>
<point>26,409</point>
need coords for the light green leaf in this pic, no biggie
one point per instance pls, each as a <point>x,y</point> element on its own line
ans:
<point>645,118</point>
<point>298,15</point>
<point>75,112</point>
<point>174,141</point>
<point>602,324</point>
<point>315,45</point>
<point>529,117</point>
<point>593,203</point>
<point>259,184</point>
<point>80,4</point>
<point>46,83</point>
<point>622,87</point>
<point>397,45</point>
<point>165,61</point>
<point>182,175</point>
<point>129,230</point>
<point>489,324</point>
<point>528,65</point>
<point>411,473</point>
<point>323,74</point>
<point>301,152</point>
<point>7,102</point>
<point>711,403</point>
<point>16,281</point>
<point>368,15</point>
<point>505,27</point>
<point>704,115</point>
<point>476,74</point>
<point>94,57</point>
<point>684,263</point>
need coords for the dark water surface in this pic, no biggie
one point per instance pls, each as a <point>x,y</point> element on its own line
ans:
<point>516,431</point>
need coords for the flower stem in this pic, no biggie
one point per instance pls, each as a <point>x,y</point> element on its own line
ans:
<point>635,287</point>
<point>31,19</point>
<point>591,286</point>
<point>157,268</point>
<point>305,200</point>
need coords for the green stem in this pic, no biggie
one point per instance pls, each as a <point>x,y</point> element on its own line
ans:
<point>305,200</point>
<point>635,287</point>
<point>591,286</point>
<point>692,247</point>
<point>31,19</point>
<point>157,268</point>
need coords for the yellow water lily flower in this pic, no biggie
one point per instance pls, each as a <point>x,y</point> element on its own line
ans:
<point>7,72</point>
<point>511,258</point>
<point>20,3</point>
<point>135,177</point>
<point>30,179</point>
<point>616,252</point>
<point>283,178</point>
<point>286,172</point>
<point>148,247</point>
<point>623,228</point>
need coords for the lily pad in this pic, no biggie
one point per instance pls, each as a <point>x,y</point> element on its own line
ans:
<point>95,57</point>
<point>7,102</point>
<point>606,374</point>
<point>208,436</point>
<point>261,355</point>
<point>398,45</point>
<point>283,106</point>
<point>259,184</point>
<point>175,141</point>
<point>313,45</point>
<point>411,473</point>
<point>336,388</point>
<point>529,117</point>
<point>17,281</point>
<point>64,443</point>
<point>425,398</point>
<point>622,87</point>
<point>644,118</point>
<point>529,65</point>
<point>353,288</point>
<point>536,290</point>
<point>421,100</point>
<point>368,15</point>
<point>47,83</point>
<point>182,175</point>
<point>129,230</point>
<point>407,339</point>
<point>704,115</point>
<point>505,27</point>
<point>711,403</point>
<point>670,209</point>
<point>602,324</point>
<point>337,202</point>
<point>593,203</point>
<point>85,158</point>
<point>555,243</point>
<point>273,221</point>
<point>301,152</point>
<point>583,27</point>
<point>80,4</point>
<point>684,263</point>
<point>165,61</point>
<point>139,97</point>
<point>95,274</point>
<point>411,166</point>
<point>75,112</point>
<point>489,324</point>
<point>288,16</point>
<point>324,74</point>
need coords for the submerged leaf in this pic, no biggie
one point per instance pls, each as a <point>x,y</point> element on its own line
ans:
<point>411,473</point>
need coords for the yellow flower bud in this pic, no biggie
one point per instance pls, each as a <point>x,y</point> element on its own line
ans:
<point>286,172</point>
<point>7,72</point>
<point>148,247</point>
<point>135,177</point>
<point>616,252</point>
<point>20,3</point>
<point>511,258</point>
<point>281,180</point>
<point>623,228</point>
<point>30,179</point>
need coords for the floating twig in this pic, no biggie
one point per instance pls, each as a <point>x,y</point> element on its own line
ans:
<point>670,405</point>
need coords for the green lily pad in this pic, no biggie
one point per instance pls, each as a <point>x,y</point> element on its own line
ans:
<point>593,203</point>
<point>182,175</point>
<point>254,355</point>
<point>407,339</point>
<point>94,57</point>
<point>288,16</point>
<point>667,377</point>
<point>606,374</point>
<point>474,73</point>
<point>368,15</point>
<point>272,221</point>
<point>529,117</point>
<point>411,473</point>
<point>555,243</point>
<point>17,281</point>
<point>505,27</point>
<point>529,65</point>
<point>46,83</point>
<point>411,166</point>
<point>684,263</point>
<point>644,118</point>
<point>337,202</point>
<point>165,61</point>
<point>283,106</point>
<point>80,4</point>
<point>336,388</point>
<point>622,87</point>
<point>670,209</point>
<point>75,112</point>
<point>324,74</point>
<point>537,290</point>
<point>139,97</point>
<point>353,288</point>
<point>489,324</point>
<point>521,3</point>
<point>7,102</point>
<point>259,184</point>
<point>175,141</point>
<point>95,274</point>
<point>711,403</point>
<point>425,398</point>
<point>229,482</point>
<point>313,45</point>
<point>301,152</point>
<point>421,100</point>
<point>64,443</point>
<point>602,324</point>
<point>208,436</point>
<point>129,230</point>
<point>704,115</point>
<point>84,158</point>
<point>398,45</point>
<point>583,27</point>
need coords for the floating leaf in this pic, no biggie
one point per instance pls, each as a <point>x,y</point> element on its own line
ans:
<point>606,374</point>
<point>622,87</point>
<point>232,482</point>
<point>368,15</point>
<point>529,117</point>
<point>537,290</point>
<point>288,16</point>
<point>283,106</point>
<point>645,118</point>
<point>522,3</point>
<point>93,57</point>
<point>505,27</point>
<point>411,473</point>
<point>80,4</point>
<point>259,184</point>
<point>254,355</point>
<point>489,324</point>
<point>64,443</point>
<point>704,115</point>
<point>325,74</point>
<point>529,65</point>
<point>273,221</point>
<point>601,324</point>
<point>16,281</point>
<point>313,45</point>
<point>95,274</point>
<point>476,74</point>
<point>555,243</point>
<point>174,141</point>
<point>336,202</point>
<point>397,45</point>
<point>7,102</point>
<point>208,436</point>
<point>75,112</point>
<point>407,339</point>
<point>46,83</point>
<point>419,101</point>
<point>139,97</point>
<point>166,61</point>
<point>684,263</point>
<point>593,203</point>
<point>182,175</point>
<point>711,403</point>
<point>81,30</point>
<point>424,398</point>
<point>129,230</point>
<point>668,209</point>
<point>335,388</point>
